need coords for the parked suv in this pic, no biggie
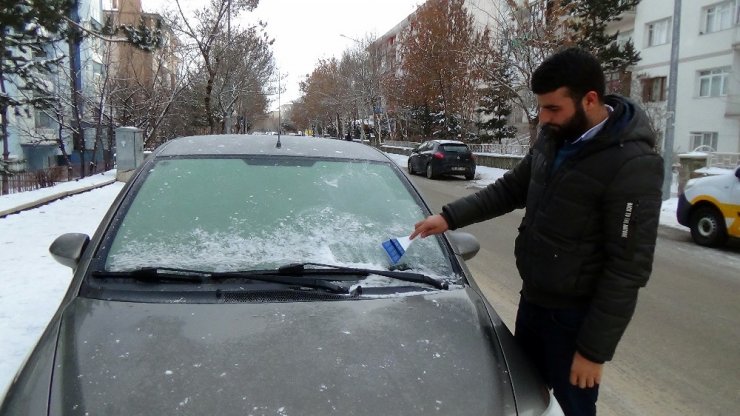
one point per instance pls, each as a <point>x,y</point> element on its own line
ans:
<point>440,157</point>
<point>711,208</point>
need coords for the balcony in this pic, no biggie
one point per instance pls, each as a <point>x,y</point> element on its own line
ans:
<point>39,136</point>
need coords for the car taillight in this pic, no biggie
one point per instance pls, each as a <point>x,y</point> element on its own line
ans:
<point>439,155</point>
<point>472,156</point>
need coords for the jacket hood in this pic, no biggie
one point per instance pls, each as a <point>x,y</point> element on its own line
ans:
<point>419,354</point>
<point>628,122</point>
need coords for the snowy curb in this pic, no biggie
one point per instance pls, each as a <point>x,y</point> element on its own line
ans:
<point>52,198</point>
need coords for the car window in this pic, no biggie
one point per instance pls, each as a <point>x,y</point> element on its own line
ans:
<point>235,214</point>
<point>455,148</point>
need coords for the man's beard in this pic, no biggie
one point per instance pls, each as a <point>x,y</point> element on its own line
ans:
<point>572,129</point>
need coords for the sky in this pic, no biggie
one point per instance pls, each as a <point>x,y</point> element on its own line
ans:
<point>308,30</point>
<point>34,284</point>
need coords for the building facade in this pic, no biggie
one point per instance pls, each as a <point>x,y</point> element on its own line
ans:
<point>707,116</point>
<point>35,139</point>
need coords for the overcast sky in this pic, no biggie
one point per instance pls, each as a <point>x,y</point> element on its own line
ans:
<point>307,30</point>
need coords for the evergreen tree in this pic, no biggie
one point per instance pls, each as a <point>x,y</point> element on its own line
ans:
<point>495,106</point>
<point>588,24</point>
<point>26,28</point>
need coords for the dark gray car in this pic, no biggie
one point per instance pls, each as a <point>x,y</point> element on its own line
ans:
<point>435,158</point>
<point>236,276</point>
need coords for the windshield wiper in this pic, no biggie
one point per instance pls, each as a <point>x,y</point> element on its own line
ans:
<point>171,274</point>
<point>299,269</point>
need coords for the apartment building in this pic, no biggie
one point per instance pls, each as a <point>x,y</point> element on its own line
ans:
<point>33,139</point>
<point>486,13</point>
<point>707,115</point>
<point>131,64</point>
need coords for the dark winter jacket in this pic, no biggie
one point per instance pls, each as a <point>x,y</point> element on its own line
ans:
<point>589,231</point>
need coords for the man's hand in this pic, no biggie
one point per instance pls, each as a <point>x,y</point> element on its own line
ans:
<point>434,224</point>
<point>585,373</point>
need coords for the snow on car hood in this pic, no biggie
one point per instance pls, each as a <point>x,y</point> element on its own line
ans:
<point>433,353</point>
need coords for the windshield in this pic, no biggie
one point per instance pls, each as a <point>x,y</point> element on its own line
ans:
<point>455,148</point>
<point>228,214</point>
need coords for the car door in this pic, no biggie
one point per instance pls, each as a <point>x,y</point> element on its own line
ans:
<point>733,227</point>
<point>418,157</point>
<point>414,158</point>
<point>426,155</point>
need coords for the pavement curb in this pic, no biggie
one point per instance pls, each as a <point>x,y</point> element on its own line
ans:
<point>52,198</point>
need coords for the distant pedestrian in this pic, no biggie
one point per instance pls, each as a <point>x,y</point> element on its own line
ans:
<point>591,186</point>
<point>348,137</point>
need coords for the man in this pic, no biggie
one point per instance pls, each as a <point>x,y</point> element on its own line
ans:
<point>591,186</point>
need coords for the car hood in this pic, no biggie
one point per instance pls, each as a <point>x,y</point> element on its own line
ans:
<point>419,354</point>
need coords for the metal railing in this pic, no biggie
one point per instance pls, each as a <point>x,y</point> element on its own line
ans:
<point>492,148</point>
<point>500,149</point>
<point>44,178</point>
<point>723,160</point>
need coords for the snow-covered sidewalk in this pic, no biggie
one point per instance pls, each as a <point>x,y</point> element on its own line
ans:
<point>23,199</point>
<point>33,284</point>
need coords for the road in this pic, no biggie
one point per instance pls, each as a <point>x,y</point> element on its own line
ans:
<point>681,353</point>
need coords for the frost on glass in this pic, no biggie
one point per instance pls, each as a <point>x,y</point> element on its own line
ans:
<point>232,214</point>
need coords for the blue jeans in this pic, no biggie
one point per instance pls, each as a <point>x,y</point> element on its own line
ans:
<point>548,338</point>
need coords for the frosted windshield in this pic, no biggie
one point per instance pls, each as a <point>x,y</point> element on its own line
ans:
<point>234,214</point>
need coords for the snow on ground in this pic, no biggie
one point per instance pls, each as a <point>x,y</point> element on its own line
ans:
<point>33,284</point>
<point>20,198</point>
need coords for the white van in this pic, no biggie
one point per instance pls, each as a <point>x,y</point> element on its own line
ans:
<point>710,206</point>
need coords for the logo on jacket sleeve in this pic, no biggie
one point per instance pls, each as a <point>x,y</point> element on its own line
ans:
<point>626,220</point>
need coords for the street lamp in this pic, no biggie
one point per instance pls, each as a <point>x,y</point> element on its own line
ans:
<point>350,38</point>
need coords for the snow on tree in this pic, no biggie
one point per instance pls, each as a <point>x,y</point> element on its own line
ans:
<point>27,27</point>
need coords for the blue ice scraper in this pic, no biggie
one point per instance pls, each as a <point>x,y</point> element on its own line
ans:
<point>396,248</point>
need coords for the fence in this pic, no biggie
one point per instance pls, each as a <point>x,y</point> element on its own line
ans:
<point>723,160</point>
<point>493,148</point>
<point>44,178</point>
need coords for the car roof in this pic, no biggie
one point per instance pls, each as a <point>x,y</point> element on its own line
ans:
<point>297,146</point>
<point>447,141</point>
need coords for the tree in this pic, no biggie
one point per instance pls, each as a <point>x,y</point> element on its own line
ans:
<point>495,104</point>
<point>587,22</point>
<point>216,47</point>
<point>436,70</point>
<point>325,94</point>
<point>26,28</point>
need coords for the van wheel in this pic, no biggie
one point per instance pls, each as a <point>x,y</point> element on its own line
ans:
<point>708,227</point>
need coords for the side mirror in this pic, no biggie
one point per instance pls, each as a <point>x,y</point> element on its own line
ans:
<point>737,172</point>
<point>464,244</point>
<point>67,249</point>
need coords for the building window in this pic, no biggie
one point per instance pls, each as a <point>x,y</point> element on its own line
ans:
<point>718,17</point>
<point>704,140</point>
<point>43,121</point>
<point>624,37</point>
<point>654,89</point>
<point>713,82</point>
<point>657,32</point>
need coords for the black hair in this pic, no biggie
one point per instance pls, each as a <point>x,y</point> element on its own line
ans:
<point>573,68</point>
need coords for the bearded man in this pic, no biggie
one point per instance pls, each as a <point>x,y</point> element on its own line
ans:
<point>591,186</point>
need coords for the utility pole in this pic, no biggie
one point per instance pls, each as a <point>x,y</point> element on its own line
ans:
<point>227,118</point>
<point>672,90</point>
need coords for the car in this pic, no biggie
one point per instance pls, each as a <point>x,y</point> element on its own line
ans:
<point>710,207</point>
<point>442,157</point>
<point>237,277</point>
